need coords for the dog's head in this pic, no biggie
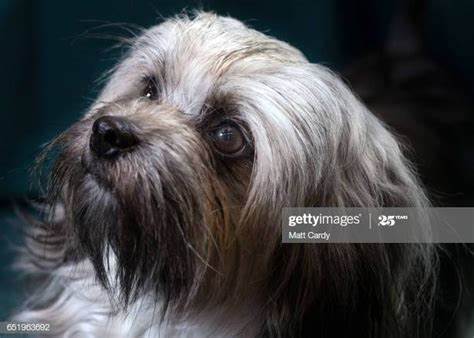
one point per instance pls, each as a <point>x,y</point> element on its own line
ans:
<point>182,166</point>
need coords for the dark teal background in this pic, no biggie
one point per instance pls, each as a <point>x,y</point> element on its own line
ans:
<point>50,60</point>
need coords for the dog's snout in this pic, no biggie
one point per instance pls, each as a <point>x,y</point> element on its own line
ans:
<point>112,135</point>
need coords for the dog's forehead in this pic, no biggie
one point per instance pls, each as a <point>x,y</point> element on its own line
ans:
<point>192,58</point>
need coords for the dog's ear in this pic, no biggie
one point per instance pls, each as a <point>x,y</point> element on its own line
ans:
<point>366,166</point>
<point>369,168</point>
<point>318,145</point>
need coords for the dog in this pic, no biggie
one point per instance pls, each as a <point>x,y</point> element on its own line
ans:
<point>165,199</point>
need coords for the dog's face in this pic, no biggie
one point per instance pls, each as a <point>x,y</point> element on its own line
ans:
<point>159,170</point>
<point>203,133</point>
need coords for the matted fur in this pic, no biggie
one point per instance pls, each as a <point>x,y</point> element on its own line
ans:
<point>172,239</point>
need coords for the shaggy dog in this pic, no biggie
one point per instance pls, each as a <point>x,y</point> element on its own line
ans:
<point>166,199</point>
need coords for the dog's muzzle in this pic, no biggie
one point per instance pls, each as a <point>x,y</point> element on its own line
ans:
<point>111,136</point>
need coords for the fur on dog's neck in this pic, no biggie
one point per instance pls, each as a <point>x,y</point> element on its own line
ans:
<point>78,305</point>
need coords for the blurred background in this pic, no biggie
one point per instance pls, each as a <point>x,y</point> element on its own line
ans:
<point>411,62</point>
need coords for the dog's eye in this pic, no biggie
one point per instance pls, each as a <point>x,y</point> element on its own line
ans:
<point>228,139</point>
<point>150,90</point>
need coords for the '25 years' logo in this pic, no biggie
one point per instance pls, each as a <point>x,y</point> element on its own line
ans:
<point>386,220</point>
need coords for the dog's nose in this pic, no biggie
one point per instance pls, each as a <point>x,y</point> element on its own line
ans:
<point>112,135</point>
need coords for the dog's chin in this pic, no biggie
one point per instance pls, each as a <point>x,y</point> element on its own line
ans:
<point>94,172</point>
<point>114,216</point>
